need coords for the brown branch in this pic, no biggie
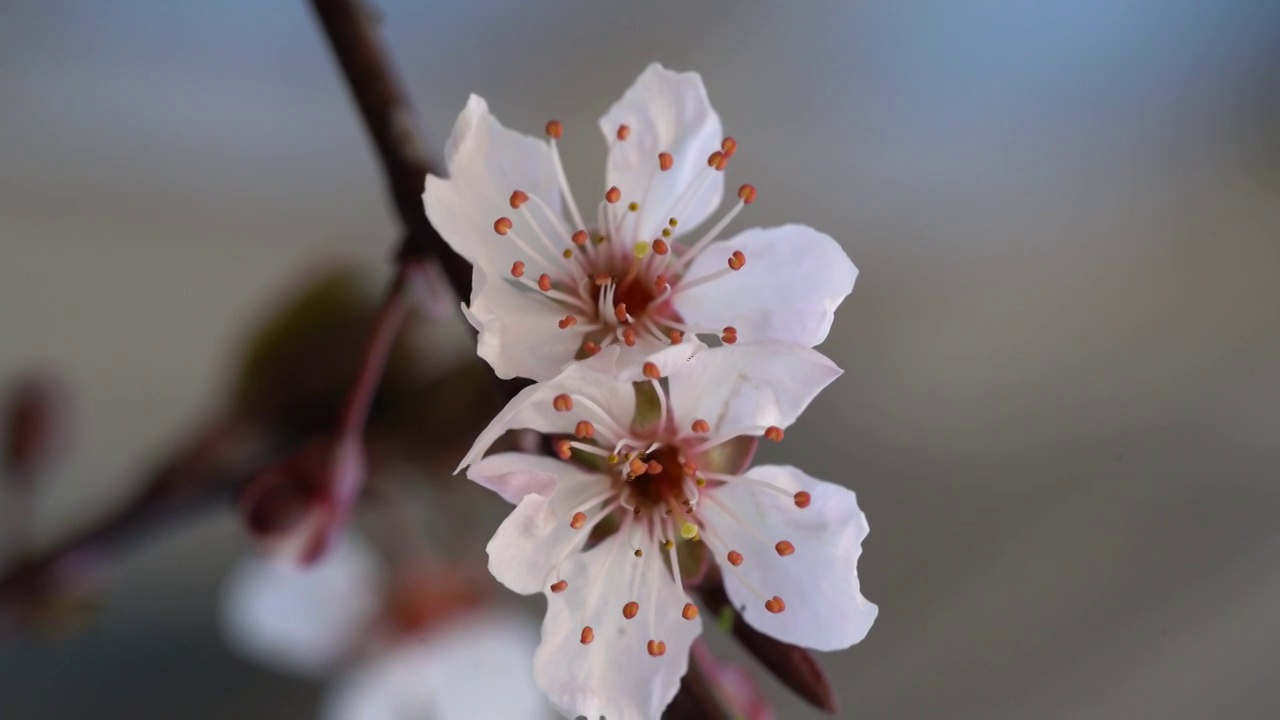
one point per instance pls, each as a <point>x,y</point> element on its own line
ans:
<point>388,116</point>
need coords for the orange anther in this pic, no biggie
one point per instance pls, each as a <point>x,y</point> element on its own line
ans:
<point>587,635</point>
<point>637,467</point>
<point>654,467</point>
<point>555,129</point>
<point>517,269</point>
<point>716,160</point>
<point>690,611</point>
<point>737,260</point>
<point>774,433</point>
<point>584,430</point>
<point>559,586</point>
<point>689,468</point>
<point>676,336</point>
<point>629,337</point>
<point>729,146</point>
<point>651,371</point>
<point>630,609</point>
<point>775,605</point>
<point>701,427</point>
<point>601,278</point>
<point>620,312</point>
<point>590,348</point>
<point>803,499</point>
<point>580,238</point>
<point>623,132</point>
<point>729,336</point>
<point>567,321</point>
<point>518,198</point>
<point>784,548</point>
<point>657,648</point>
<point>502,225</point>
<point>735,558</point>
<point>564,450</point>
<point>660,282</point>
<point>747,194</point>
<point>613,194</point>
<point>578,520</point>
<point>665,161</point>
<point>544,282</point>
<point>562,402</point>
<point>661,247</point>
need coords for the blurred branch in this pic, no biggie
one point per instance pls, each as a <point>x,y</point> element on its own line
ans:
<point>384,105</point>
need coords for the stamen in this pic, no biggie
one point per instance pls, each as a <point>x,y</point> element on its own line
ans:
<point>651,371</point>
<point>578,520</point>
<point>688,531</point>
<point>590,348</point>
<point>629,337</point>
<point>708,278</point>
<point>730,335</point>
<point>623,132</point>
<point>620,312</point>
<point>784,548</point>
<point>660,247</point>
<point>544,282</point>
<point>502,225</point>
<point>630,610</point>
<point>562,402</point>
<point>657,648</point>
<point>729,146</point>
<point>518,198</point>
<point>613,195</point>
<point>555,129</point>
<point>701,427</point>
<point>676,336</point>
<point>517,269</point>
<point>564,450</point>
<point>567,321</point>
<point>584,430</point>
<point>737,260</point>
<point>716,160</point>
<point>665,161</point>
<point>653,467</point>
<point>633,206</point>
<point>774,433</point>
<point>690,611</point>
<point>775,605</point>
<point>803,499</point>
<point>580,238</point>
<point>559,586</point>
<point>587,635</point>
<point>735,558</point>
<point>747,193</point>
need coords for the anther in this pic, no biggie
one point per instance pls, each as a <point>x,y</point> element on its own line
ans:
<point>666,232</point>
<point>638,553</point>
<point>518,198</point>
<point>735,558</point>
<point>590,348</point>
<point>660,282</point>
<point>803,499</point>
<point>567,321</point>
<point>689,468</point>
<point>629,337</point>
<point>716,160</point>
<point>660,246</point>
<point>559,586</point>
<point>690,611</point>
<point>613,194</point>
<point>633,206</point>
<point>688,531</point>
<point>737,260</point>
<point>637,467</point>
<point>563,449</point>
<point>584,430</point>
<point>747,194</point>
<point>730,335</point>
<point>567,254</point>
<point>580,238</point>
<point>517,269</point>
<point>502,225</point>
<point>587,635</point>
<point>620,312</point>
<point>579,519</point>
<point>562,402</point>
<point>640,249</point>
<point>653,468</point>
<point>630,609</point>
<point>672,222</point>
<point>623,132</point>
<point>774,433</point>
<point>651,371</point>
<point>701,427</point>
<point>657,648</point>
<point>544,282</point>
<point>775,605</point>
<point>729,146</point>
<point>700,481</point>
<point>668,544</point>
<point>676,336</point>
<point>555,129</point>
<point>601,278</point>
<point>784,548</point>
<point>665,161</point>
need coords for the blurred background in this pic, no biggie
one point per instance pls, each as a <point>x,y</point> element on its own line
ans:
<point>1060,407</point>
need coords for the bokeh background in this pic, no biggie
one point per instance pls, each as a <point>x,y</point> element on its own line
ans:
<point>1060,402</point>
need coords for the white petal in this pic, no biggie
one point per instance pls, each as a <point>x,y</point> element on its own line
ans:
<point>614,676</point>
<point>748,385</point>
<point>602,400</point>
<point>794,280</point>
<point>825,609</point>
<point>477,668</point>
<point>486,163</point>
<point>666,112</point>
<point>302,620</point>
<point>519,331</point>
<point>513,474</point>
<point>531,544</point>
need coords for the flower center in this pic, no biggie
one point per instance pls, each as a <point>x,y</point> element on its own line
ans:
<point>667,485</point>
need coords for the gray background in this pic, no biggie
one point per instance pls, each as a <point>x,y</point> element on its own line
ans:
<point>1060,405</point>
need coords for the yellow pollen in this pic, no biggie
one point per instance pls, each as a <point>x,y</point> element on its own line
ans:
<point>688,531</point>
<point>640,249</point>
<point>568,253</point>
<point>633,206</point>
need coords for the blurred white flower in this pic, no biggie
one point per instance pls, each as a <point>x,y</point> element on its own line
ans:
<point>387,661</point>
<point>550,288</point>
<point>657,464</point>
